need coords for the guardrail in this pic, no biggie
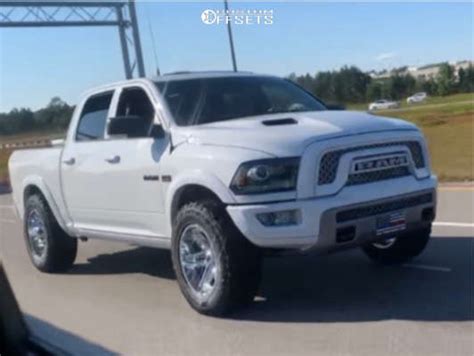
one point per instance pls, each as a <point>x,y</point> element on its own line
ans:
<point>26,144</point>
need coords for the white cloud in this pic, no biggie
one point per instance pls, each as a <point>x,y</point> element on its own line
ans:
<point>385,56</point>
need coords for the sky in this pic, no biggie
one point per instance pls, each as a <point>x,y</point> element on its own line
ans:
<point>37,64</point>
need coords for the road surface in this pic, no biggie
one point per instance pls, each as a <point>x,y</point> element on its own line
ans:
<point>124,299</point>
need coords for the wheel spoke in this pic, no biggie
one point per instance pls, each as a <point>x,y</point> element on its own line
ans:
<point>198,260</point>
<point>36,233</point>
<point>207,275</point>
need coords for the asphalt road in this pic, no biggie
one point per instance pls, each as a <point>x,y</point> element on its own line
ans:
<point>123,299</point>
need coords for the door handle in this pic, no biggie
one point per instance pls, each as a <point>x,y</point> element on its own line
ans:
<point>70,161</point>
<point>113,160</point>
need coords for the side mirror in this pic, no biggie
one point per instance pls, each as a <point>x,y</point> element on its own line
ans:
<point>129,126</point>
<point>335,107</point>
<point>157,131</point>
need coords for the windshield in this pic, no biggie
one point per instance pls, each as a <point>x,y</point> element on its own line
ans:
<point>205,100</point>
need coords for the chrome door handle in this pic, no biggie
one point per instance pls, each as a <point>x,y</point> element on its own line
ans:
<point>70,161</point>
<point>113,160</point>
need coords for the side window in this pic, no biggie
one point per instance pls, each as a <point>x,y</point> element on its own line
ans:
<point>93,118</point>
<point>135,102</point>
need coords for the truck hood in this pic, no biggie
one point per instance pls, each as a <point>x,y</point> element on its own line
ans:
<point>276,136</point>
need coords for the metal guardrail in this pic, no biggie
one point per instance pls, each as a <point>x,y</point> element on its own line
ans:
<point>26,144</point>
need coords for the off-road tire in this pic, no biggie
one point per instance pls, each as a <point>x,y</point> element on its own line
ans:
<point>405,247</point>
<point>239,259</point>
<point>61,249</point>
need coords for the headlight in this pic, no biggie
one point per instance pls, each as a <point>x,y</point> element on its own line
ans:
<point>266,176</point>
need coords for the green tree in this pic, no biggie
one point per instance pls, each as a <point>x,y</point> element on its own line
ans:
<point>466,80</point>
<point>374,91</point>
<point>54,117</point>
<point>445,80</point>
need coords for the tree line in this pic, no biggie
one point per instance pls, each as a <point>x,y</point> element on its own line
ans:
<point>54,117</point>
<point>346,85</point>
<point>351,85</point>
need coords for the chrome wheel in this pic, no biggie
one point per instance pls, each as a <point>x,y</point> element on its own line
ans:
<point>36,233</point>
<point>199,262</point>
<point>384,244</point>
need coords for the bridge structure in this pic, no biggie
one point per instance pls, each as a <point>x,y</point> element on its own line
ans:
<point>121,14</point>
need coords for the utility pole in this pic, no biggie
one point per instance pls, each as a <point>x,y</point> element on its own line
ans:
<point>231,40</point>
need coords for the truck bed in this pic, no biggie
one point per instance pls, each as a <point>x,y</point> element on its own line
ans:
<point>35,166</point>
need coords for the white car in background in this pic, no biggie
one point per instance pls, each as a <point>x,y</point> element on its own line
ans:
<point>383,104</point>
<point>417,98</point>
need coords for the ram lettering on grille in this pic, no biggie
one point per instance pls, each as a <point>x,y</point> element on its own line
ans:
<point>330,162</point>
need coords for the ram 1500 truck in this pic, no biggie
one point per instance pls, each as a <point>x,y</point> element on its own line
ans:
<point>223,168</point>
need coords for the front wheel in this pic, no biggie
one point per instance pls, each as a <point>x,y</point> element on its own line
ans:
<point>216,267</point>
<point>399,249</point>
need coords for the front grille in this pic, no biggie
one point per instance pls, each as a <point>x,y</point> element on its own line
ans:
<point>375,176</point>
<point>330,161</point>
<point>371,210</point>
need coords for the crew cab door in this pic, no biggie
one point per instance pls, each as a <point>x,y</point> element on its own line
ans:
<point>114,184</point>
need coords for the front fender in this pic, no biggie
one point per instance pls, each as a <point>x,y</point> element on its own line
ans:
<point>195,177</point>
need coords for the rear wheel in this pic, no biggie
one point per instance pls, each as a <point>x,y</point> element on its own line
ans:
<point>49,247</point>
<point>216,267</point>
<point>399,249</point>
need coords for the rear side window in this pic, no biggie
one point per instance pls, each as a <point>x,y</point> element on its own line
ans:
<point>94,117</point>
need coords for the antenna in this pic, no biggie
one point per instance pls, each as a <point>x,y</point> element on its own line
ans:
<point>153,43</point>
<point>231,40</point>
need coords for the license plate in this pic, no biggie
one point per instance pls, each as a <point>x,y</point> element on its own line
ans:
<point>390,223</point>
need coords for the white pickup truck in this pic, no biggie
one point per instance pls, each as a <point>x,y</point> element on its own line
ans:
<point>223,168</point>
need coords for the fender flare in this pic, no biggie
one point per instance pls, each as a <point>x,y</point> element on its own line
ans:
<point>39,183</point>
<point>194,177</point>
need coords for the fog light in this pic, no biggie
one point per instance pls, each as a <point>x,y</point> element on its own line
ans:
<point>279,218</point>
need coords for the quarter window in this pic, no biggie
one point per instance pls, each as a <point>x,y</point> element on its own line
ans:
<point>94,117</point>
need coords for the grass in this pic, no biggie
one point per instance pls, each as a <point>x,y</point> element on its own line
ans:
<point>449,131</point>
<point>447,123</point>
<point>4,154</point>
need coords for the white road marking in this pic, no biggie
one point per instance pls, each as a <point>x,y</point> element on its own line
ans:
<point>427,267</point>
<point>454,224</point>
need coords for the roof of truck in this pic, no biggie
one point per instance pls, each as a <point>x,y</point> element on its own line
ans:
<point>171,76</point>
<point>197,75</point>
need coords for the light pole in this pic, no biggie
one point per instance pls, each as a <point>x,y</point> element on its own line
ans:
<point>231,40</point>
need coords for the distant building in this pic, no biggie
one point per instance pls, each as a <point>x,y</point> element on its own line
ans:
<point>462,64</point>
<point>426,72</point>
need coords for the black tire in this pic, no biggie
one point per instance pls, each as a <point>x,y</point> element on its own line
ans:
<point>59,250</point>
<point>404,248</point>
<point>239,260</point>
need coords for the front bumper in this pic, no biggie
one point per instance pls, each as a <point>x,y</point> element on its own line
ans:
<point>321,216</point>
